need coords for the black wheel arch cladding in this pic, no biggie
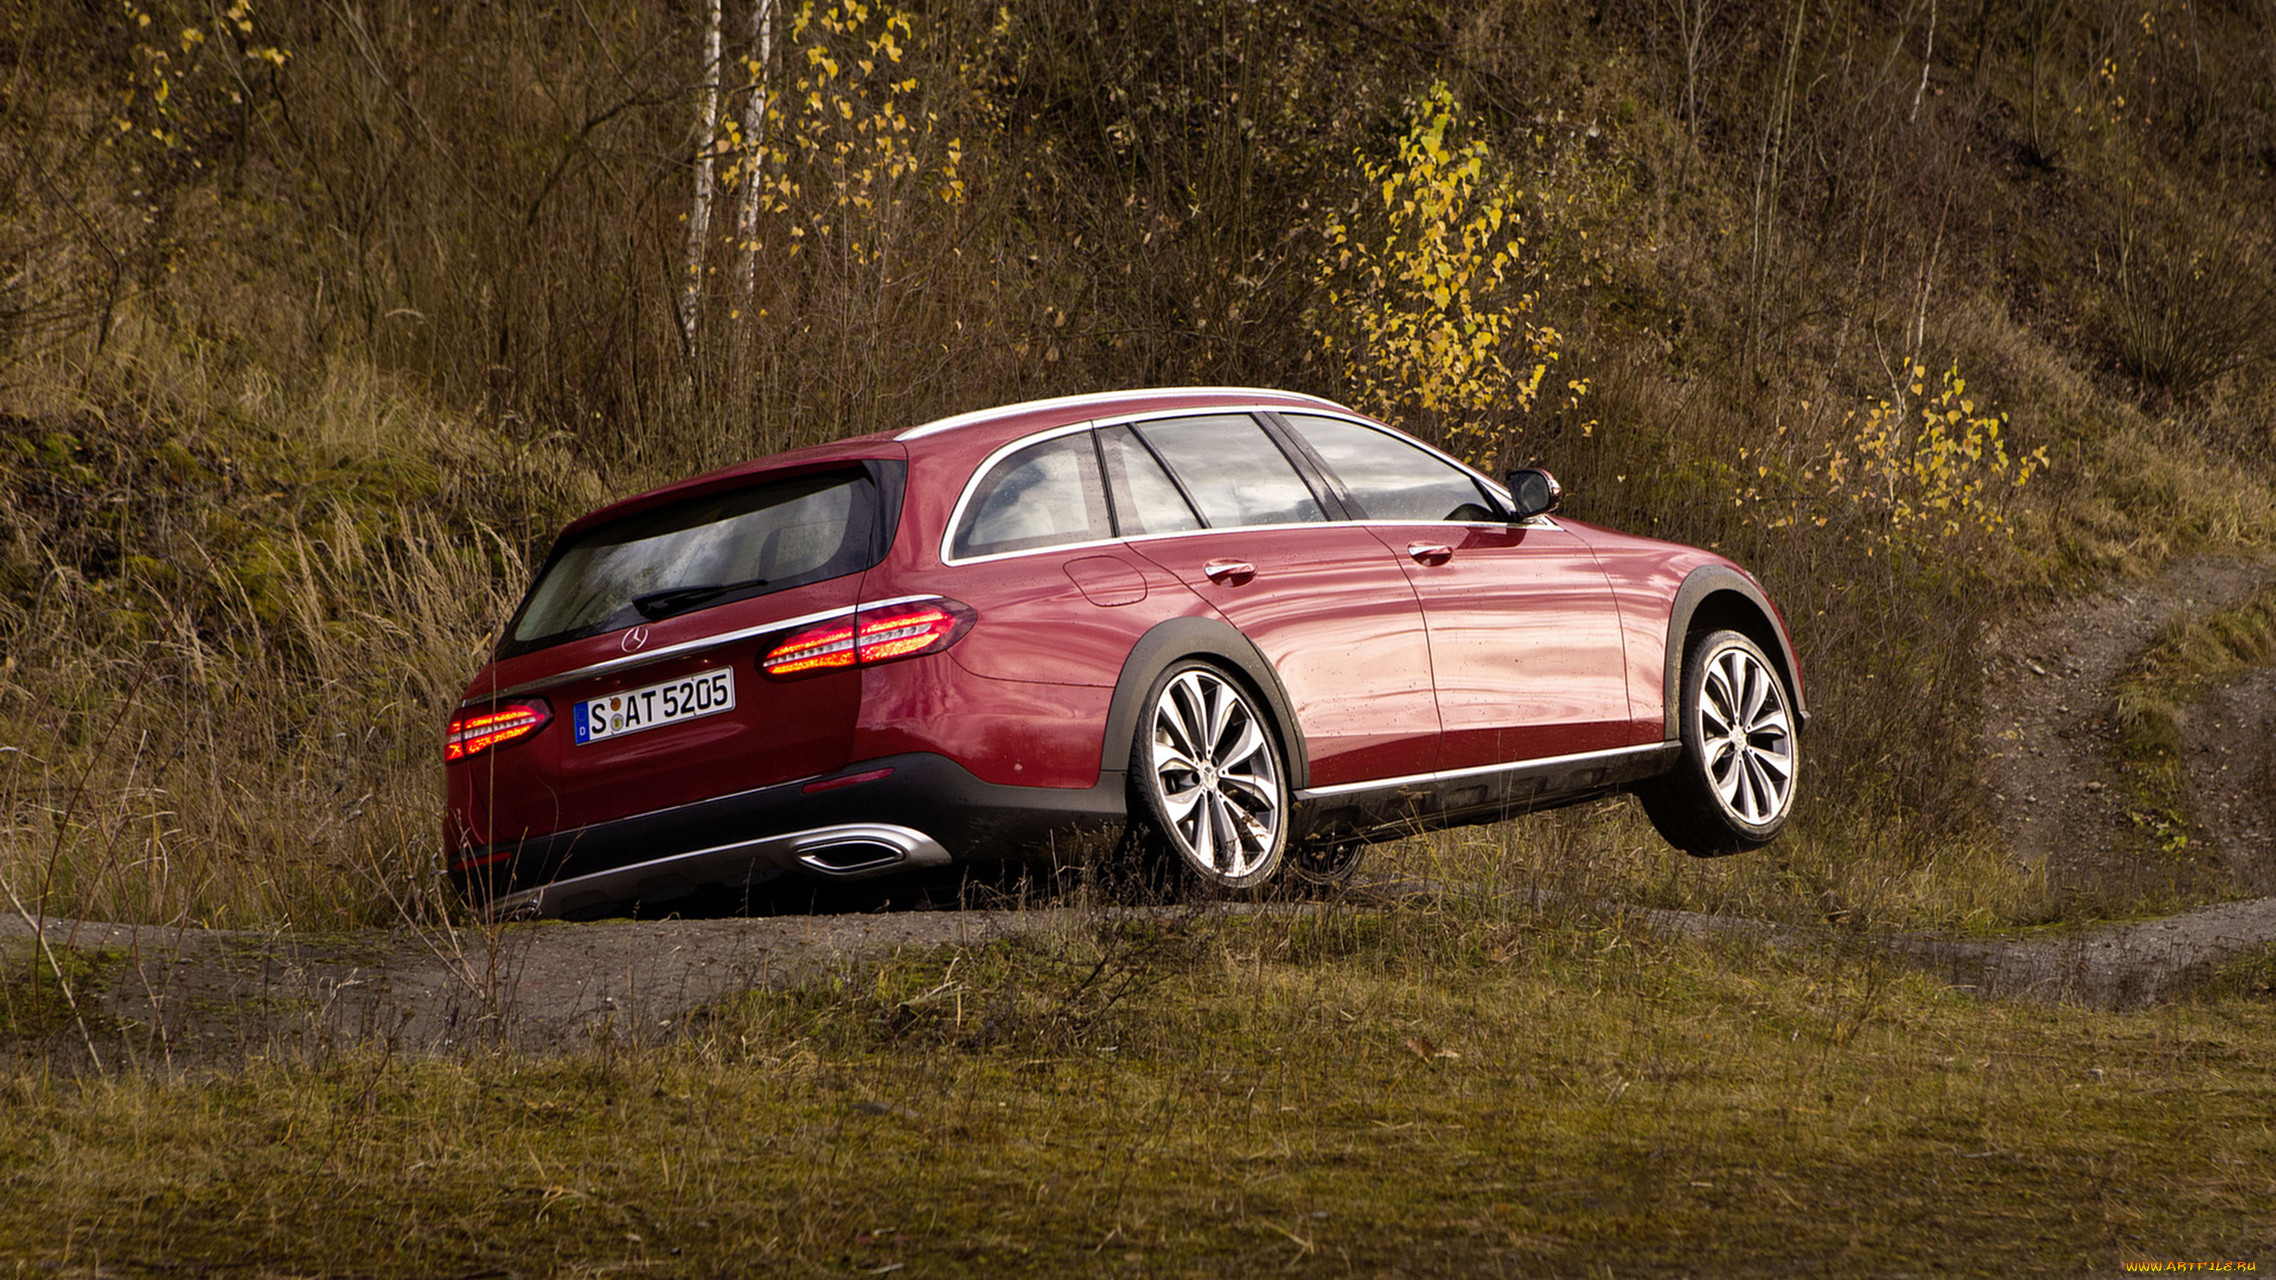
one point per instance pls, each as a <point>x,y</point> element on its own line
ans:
<point>1215,641</point>
<point>1716,597</point>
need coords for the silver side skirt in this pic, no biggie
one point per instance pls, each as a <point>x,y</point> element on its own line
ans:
<point>1467,794</point>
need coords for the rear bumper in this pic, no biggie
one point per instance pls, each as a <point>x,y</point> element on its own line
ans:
<point>871,818</point>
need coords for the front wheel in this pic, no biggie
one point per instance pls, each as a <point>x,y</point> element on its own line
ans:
<point>1734,785</point>
<point>1209,778</point>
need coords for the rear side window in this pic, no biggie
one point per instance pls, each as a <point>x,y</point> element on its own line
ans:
<point>1233,471</point>
<point>1046,495</point>
<point>1391,478</point>
<point>702,552</point>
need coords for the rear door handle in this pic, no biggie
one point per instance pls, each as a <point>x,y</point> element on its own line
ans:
<point>1231,573</point>
<point>1430,552</point>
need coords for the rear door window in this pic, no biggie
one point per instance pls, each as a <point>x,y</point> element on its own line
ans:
<point>702,552</point>
<point>1233,471</point>
<point>1145,499</point>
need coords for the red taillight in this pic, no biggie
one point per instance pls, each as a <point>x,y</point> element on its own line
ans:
<point>905,632</point>
<point>477,729</point>
<point>871,636</point>
<point>816,648</point>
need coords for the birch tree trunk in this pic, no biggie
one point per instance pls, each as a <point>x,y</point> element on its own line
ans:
<point>754,166</point>
<point>699,210</point>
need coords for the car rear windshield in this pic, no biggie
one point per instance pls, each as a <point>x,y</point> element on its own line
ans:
<point>703,552</point>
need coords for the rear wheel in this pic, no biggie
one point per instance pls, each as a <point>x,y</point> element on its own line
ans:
<point>1734,785</point>
<point>1324,866</point>
<point>1210,781</point>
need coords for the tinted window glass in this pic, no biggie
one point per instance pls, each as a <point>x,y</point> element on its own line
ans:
<point>745,542</point>
<point>1390,478</point>
<point>1045,495</point>
<point>1233,470</point>
<point>1144,499</point>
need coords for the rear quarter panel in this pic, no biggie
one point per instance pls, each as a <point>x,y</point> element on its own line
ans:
<point>1022,699</point>
<point>1016,733</point>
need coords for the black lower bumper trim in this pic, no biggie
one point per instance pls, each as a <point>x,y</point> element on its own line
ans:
<point>937,802</point>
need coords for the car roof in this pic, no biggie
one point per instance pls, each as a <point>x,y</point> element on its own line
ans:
<point>982,429</point>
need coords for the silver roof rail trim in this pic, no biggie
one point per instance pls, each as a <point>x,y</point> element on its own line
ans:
<point>1100,398</point>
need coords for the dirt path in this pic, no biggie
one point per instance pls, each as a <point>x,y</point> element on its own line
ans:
<point>2123,966</point>
<point>2231,744</point>
<point>2048,736</point>
<point>188,999</point>
<point>191,997</point>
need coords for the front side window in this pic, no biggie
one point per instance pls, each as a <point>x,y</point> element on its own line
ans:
<point>1045,495</point>
<point>1390,478</point>
<point>699,553</point>
<point>1233,471</point>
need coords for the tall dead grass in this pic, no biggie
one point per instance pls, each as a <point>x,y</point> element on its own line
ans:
<point>223,689</point>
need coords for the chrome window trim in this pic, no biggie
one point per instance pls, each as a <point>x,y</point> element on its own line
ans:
<point>1136,416</point>
<point>972,485</point>
<point>633,661</point>
<point>1102,399</point>
<point>987,464</point>
<point>1538,522</point>
<point>1452,775</point>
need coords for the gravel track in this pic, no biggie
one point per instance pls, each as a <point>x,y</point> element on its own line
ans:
<point>186,997</point>
<point>2049,737</point>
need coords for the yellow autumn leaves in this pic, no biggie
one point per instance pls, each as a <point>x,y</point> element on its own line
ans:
<point>851,140</point>
<point>1423,319</point>
<point>1925,465</point>
<point>167,75</point>
<point>1935,466</point>
<point>1426,322</point>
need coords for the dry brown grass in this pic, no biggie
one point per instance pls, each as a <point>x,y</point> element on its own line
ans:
<point>1450,1088</point>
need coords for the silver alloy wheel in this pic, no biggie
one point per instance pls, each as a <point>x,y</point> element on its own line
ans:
<point>1215,774</point>
<point>1747,736</point>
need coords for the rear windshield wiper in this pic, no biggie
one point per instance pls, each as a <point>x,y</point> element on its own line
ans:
<point>657,604</point>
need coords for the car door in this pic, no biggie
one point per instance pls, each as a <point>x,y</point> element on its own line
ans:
<point>1213,499</point>
<point>1525,640</point>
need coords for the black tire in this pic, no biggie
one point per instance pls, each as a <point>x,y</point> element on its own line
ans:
<point>1209,782</point>
<point>1324,866</point>
<point>1736,782</point>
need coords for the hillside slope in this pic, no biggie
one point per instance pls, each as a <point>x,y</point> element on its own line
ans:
<point>314,323</point>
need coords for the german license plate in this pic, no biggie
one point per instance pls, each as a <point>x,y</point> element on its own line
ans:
<point>705,693</point>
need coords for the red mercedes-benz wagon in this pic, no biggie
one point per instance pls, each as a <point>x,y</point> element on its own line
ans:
<point>1251,628</point>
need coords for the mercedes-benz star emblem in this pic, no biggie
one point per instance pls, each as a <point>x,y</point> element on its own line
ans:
<point>634,639</point>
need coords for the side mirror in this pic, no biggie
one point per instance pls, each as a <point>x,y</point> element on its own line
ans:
<point>1533,492</point>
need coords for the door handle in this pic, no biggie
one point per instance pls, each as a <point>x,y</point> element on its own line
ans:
<point>1231,573</point>
<point>1430,552</point>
